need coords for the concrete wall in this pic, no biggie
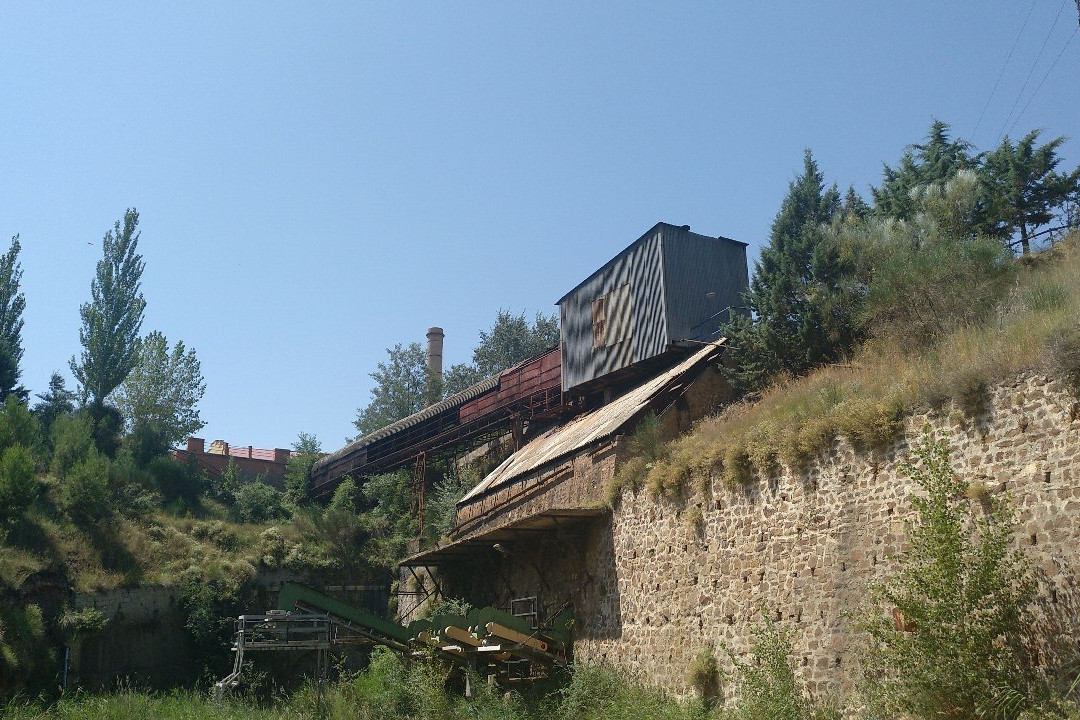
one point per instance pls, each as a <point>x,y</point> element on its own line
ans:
<point>145,643</point>
<point>650,591</point>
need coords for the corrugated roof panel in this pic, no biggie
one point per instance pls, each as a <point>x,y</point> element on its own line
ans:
<point>586,429</point>
<point>430,411</point>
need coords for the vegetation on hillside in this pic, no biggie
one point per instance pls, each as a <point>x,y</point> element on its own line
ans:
<point>909,304</point>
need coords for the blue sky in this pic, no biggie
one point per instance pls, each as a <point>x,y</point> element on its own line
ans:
<point>319,181</point>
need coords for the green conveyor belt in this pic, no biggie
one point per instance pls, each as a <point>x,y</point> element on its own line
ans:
<point>293,594</point>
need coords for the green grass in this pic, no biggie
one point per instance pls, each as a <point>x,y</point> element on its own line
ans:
<point>387,690</point>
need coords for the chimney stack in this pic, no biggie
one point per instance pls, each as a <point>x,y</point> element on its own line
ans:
<point>434,363</point>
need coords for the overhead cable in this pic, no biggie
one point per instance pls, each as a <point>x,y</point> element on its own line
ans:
<point>1064,47</point>
<point>1003,66</point>
<point>1031,72</point>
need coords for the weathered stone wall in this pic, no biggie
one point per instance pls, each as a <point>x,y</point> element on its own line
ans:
<point>650,589</point>
<point>804,545</point>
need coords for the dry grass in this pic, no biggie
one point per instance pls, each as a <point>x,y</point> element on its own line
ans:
<point>1036,328</point>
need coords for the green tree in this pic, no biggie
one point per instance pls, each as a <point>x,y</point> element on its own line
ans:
<point>18,484</point>
<point>1023,189</point>
<point>112,319</point>
<point>934,161</point>
<point>946,630</point>
<point>305,452</point>
<point>12,304</point>
<point>54,403</point>
<point>162,390</point>
<point>802,314</point>
<point>400,383</point>
<point>510,340</point>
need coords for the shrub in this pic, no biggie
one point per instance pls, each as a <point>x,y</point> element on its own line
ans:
<point>964,592</point>
<point>704,676</point>
<point>769,688</point>
<point>921,285</point>
<point>441,506</point>
<point>738,470</point>
<point>18,425</point>
<point>258,502</point>
<point>645,448</point>
<point>73,442</point>
<point>84,491</point>
<point>18,484</point>
<point>695,519</point>
<point>24,651</point>
<point>174,481</point>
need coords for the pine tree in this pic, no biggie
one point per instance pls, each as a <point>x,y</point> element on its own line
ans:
<point>1023,189</point>
<point>802,317</point>
<point>113,317</point>
<point>12,304</point>
<point>934,161</point>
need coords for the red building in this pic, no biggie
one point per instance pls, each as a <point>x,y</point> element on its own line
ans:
<point>270,465</point>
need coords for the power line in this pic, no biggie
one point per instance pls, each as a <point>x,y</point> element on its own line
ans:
<point>1039,87</point>
<point>1031,72</point>
<point>1003,66</point>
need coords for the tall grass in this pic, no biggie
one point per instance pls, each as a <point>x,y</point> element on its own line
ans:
<point>1035,326</point>
<point>389,690</point>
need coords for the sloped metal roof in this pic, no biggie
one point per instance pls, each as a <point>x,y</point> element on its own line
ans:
<point>586,429</point>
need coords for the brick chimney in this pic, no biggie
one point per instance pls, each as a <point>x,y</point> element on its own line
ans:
<point>435,337</point>
<point>196,445</point>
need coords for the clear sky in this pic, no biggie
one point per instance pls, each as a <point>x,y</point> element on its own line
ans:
<point>319,181</point>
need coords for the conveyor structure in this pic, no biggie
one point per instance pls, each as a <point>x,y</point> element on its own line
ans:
<point>487,641</point>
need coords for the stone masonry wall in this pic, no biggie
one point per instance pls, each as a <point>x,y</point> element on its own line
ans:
<point>805,545</point>
<point>650,591</point>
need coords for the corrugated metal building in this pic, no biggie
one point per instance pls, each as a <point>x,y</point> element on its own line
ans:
<point>668,286</point>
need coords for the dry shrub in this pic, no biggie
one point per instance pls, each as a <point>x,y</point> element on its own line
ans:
<point>695,519</point>
<point>738,469</point>
<point>704,675</point>
<point>871,423</point>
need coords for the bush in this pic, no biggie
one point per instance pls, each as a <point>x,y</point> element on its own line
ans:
<point>917,292</point>
<point>769,689</point>
<point>175,481</point>
<point>73,442</point>
<point>257,502</point>
<point>963,592</point>
<point>18,426</point>
<point>704,676</point>
<point>84,491</point>
<point>18,484</point>
<point>24,651</point>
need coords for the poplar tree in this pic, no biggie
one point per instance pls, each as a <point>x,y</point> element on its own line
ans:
<point>12,304</point>
<point>163,390</point>
<point>112,319</point>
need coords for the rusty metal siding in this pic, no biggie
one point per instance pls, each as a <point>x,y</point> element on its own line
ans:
<point>515,385</point>
<point>645,328</point>
<point>695,266</point>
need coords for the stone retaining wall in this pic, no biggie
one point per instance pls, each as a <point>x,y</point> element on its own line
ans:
<point>804,545</point>
<point>651,590</point>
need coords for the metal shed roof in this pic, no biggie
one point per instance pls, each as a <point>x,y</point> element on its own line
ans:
<point>587,429</point>
<point>648,233</point>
